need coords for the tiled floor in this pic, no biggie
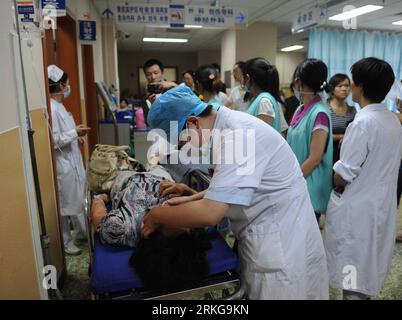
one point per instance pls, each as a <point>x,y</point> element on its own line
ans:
<point>77,283</point>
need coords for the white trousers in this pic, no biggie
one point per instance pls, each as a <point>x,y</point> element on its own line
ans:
<point>78,223</point>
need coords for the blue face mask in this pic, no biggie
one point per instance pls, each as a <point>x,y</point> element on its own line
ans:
<point>246,88</point>
<point>67,93</point>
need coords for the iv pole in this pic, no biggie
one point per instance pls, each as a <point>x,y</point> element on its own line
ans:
<point>45,239</point>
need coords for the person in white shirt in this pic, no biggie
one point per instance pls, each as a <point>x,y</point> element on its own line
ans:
<point>70,170</point>
<point>237,94</point>
<point>264,195</point>
<point>361,217</point>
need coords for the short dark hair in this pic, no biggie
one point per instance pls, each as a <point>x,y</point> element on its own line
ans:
<point>152,62</point>
<point>313,73</point>
<point>336,80</point>
<point>172,263</point>
<point>207,77</point>
<point>54,86</point>
<point>190,72</point>
<point>375,77</point>
<point>264,75</point>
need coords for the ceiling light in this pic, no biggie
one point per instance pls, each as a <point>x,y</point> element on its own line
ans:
<point>191,26</point>
<point>398,23</point>
<point>168,40</point>
<point>355,12</point>
<point>292,48</point>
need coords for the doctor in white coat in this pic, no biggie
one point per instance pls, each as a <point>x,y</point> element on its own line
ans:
<point>69,166</point>
<point>361,217</point>
<point>263,194</point>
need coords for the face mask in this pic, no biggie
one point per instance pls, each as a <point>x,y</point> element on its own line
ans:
<point>67,93</point>
<point>204,150</point>
<point>299,94</point>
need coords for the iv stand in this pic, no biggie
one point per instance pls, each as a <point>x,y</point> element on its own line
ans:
<point>45,239</point>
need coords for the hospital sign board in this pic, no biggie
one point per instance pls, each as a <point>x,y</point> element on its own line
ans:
<point>50,6</point>
<point>216,17</point>
<point>176,15</point>
<point>26,11</point>
<point>154,14</point>
<point>308,18</point>
<point>87,30</point>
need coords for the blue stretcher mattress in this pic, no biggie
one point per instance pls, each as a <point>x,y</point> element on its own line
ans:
<point>111,272</point>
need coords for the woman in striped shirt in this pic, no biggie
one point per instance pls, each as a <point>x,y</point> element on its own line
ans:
<point>341,113</point>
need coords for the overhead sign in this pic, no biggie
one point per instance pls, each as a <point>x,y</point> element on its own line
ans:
<point>87,30</point>
<point>309,18</point>
<point>216,17</point>
<point>155,14</point>
<point>49,7</point>
<point>26,11</point>
<point>176,15</point>
<point>108,13</point>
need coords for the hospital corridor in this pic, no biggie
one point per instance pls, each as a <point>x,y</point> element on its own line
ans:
<point>209,153</point>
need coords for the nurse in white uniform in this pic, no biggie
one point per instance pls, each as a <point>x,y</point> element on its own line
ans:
<point>361,220</point>
<point>69,166</point>
<point>264,195</point>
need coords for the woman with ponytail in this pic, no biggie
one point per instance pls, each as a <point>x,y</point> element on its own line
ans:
<point>206,79</point>
<point>261,81</point>
<point>310,132</point>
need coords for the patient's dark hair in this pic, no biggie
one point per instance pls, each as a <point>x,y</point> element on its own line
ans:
<point>172,263</point>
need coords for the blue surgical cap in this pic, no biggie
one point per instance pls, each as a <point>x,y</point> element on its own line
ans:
<point>177,105</point>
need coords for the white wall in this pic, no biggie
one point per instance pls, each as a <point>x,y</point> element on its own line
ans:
<point>9,114</point>
<point>287,63</point>
<point>228,54</point>
<point>205,57</point>
<point>258,40</point>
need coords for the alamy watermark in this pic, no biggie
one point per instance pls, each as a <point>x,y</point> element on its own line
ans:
<point>49,277</point>
<point>350,277</point>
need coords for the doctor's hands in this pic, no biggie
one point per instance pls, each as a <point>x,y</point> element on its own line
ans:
<point>82,130</point>
<point>184,199</point>
<point>171,189</point>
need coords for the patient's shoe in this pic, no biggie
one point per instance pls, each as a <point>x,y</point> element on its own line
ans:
<point>72,249</point>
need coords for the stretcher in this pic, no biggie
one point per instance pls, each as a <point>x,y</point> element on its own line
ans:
<point>113,278</point>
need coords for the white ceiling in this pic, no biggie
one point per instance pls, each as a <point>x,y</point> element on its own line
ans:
<point>280,12</point>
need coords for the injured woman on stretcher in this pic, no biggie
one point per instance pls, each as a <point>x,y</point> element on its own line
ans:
<point>171,258</point>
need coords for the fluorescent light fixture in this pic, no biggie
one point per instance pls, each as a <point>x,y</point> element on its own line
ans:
<point>292,48</point>
<point>397,23</point>
<point>191,26</point>
<point>168,40</point>
<point>355,12</point>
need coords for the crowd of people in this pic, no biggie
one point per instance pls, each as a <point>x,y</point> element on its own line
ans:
<point>316,156</point>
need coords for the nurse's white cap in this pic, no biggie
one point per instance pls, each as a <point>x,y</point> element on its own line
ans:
<point>54,73</point>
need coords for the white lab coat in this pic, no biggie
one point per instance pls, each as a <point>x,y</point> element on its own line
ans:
<point>71,176</point>
<point>280,246</point>
<point>361,223</point>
